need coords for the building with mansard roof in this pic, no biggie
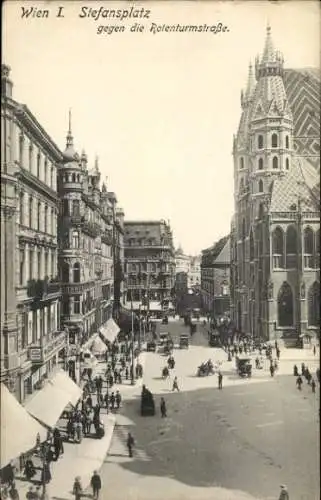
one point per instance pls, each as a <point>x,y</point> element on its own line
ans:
<point>275,233</point>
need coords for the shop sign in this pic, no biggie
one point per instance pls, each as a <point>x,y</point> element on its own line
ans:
<point>35,354</point>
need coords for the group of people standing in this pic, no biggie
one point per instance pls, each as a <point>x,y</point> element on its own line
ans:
<point>306,374</point>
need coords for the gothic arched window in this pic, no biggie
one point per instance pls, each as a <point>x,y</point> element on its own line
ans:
<point>308,241</point>
<point>260,164</point>
<point>30,211</point>
<point>73,177</point>
<point>314,305</point>
<point>291,247</point>
<point>76,273</point>
<point>241,163</point>
<point>277,241</point>
<point>287,142</point>
<point>287,164</point>
<point>285,306</point>
<point>251,247</point>
<point>275,162</point>
<point>65,272</point>
<point>274,140</point>
<point>260,186</point>
<point>260,141</point>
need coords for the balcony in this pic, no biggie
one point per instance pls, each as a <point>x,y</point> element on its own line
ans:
<point>46,347</point>
<point>43,289</point>
<point>107,238</point>
<point>76,288</point>
<point>91,228</point>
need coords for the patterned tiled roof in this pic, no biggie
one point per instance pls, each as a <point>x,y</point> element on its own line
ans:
<point>303,91</point>
<point>301,181</point>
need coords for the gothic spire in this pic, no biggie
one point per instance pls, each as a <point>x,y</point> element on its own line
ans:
<point>250,83</point>
<point>69,152</point>
<point>271,62</point>
<point>268,52</point>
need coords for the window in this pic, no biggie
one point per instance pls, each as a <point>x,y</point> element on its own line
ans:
<point>287,142</point>
<point>76,304</point>
<point>291,248</point>
<point>260,164</point>
<point>287,164</point>
<point>46,219</point>
<point>21,208</point>
<point>53,264</point>
<point>46,270</point>
<point>251,247</point>
<point>260,186</point>
<point>21,146</point>
<point>31,264</point>
<point>260,141</point>
<point>38,165</point>
<point>52,221</point>
<point>46,172</point>
<point>75,239</point>
<point>285,306</point>
<point>65,307</point>
<point>242,185</point>
<point>308,241</point>
<point>65,272</point>
<point>22,267</point>
<point>30,157</point>
<point>275,162</point>
<point>314,305</point>
<point>76,273</point>
<point>30,211</point>
<point>38,254</point>
<point>277,241</point>
<point>38,215</point>
<point>274,140</point>
<point>65,207</point>
<point>73,177</point>
<point>76,208</point>
<point>241,163</point>
<point>66,177</point>
<point>51,178</point>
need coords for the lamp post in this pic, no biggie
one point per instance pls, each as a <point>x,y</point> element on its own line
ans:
<point>132,378</point>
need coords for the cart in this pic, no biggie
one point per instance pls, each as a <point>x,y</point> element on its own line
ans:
<point>244,366</point>
<point>183,341</point>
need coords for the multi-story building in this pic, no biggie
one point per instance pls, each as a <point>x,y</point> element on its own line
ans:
<point>215,278</point>
<point>275,237</point>
<point>194,274</point>
<point>182,261</point>
<point>90,247</point>
<point>150,264</point>
<point>31,338</point>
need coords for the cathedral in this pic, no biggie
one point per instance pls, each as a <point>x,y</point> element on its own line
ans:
<point>275,231</point>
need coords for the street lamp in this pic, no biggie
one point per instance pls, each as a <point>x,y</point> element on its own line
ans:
<point>43,453</point>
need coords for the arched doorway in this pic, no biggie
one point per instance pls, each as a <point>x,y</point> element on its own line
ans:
<point>285,306</point>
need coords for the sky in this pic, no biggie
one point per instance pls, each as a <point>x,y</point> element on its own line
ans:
<point>159,110</point>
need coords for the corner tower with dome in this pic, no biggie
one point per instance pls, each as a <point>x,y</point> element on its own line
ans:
<point>275,235</point>
<point>90,245</point>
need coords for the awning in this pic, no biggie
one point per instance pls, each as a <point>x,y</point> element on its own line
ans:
<point>98,346</point>
<point>48,404</point>
<point>18,429</point>
<point>90,361</point>
<point>63,382</point>
<point>155,306</point>
<point>110,330</point>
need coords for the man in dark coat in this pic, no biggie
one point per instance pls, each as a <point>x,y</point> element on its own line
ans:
<point>163,408</point>
<point>95,483</point>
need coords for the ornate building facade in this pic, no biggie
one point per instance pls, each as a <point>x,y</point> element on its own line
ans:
<point>150,264</point>
<point>90,247</point>
<point>215,278</point>
<point>275,235</point>
<point>31,338</point>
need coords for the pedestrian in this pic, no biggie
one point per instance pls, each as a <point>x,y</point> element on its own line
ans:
<point>95,483</point>
<point>295,371</point>
<point>112,400</point>
<point>313,385</point>
<point>77,488</point>
<point>284,495</point>
<point>30,495</point>
<point>163,408</point>
<point>220,380</point>
<point>175,385</point>
<point>299,382</point>
<point>314,350</point>
<point>302,369</point>
<point>118,399</point>
<point>272,369</point>
<point>130,444</point>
